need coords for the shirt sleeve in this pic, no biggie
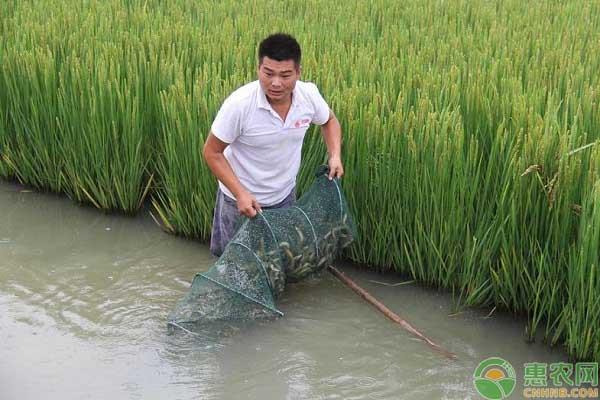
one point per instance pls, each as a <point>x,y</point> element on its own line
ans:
<point>227,125</point>
<point>321,114</point>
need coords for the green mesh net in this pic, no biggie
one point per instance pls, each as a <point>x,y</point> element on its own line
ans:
<point>275,247</point>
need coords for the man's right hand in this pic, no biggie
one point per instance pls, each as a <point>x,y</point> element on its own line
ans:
<point>247,205</point>
<point>218,164</point>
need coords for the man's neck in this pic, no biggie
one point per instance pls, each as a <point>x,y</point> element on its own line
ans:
<point>280,103</point>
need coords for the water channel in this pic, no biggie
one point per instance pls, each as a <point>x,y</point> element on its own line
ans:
<point>84,298</point>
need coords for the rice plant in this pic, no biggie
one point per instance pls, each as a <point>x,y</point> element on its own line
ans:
<point>470,129</point>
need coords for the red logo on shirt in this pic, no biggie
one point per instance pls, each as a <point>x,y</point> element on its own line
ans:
<point>302,122</point>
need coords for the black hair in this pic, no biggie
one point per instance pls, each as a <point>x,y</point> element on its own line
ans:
<point>280,47</point>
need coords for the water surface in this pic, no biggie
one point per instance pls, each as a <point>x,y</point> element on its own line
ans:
<point>84,299</point>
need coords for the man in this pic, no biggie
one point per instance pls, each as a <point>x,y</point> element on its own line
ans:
<point>254,146</point>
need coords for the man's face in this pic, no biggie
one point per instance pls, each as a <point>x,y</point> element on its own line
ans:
<point>278,78</point>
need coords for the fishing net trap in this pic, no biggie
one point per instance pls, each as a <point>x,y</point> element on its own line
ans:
<point>276,247</point>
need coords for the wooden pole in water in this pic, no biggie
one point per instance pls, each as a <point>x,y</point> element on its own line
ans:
<point>387,312</point>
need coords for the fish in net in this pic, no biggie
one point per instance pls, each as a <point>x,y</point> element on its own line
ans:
<point>275,247</point>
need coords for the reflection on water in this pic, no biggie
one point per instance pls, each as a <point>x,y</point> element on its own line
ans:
<point>84,300</point>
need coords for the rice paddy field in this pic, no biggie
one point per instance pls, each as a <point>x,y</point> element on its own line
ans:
<point>470,130</point>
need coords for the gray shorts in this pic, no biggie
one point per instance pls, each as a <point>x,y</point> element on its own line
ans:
<point>227,220</point>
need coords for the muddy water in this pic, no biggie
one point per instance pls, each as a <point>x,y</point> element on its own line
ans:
<point>84,299</point>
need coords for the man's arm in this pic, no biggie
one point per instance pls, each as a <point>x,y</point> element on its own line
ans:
<point>218,164</point>
<point>332,134</point>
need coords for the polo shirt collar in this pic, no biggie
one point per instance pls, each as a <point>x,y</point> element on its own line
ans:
<point>264,103</point>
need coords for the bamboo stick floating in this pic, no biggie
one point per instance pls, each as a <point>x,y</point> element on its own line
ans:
<point>389,313</point>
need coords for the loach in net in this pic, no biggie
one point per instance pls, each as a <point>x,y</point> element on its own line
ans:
<point>275,247</point>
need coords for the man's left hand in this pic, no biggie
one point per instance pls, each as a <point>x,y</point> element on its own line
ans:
<point>336,169</point>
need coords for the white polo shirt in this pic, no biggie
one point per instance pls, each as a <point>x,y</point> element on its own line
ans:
<point>264,151</point>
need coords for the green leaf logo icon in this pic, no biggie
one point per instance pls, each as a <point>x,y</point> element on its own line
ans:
<point>494,378</point>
